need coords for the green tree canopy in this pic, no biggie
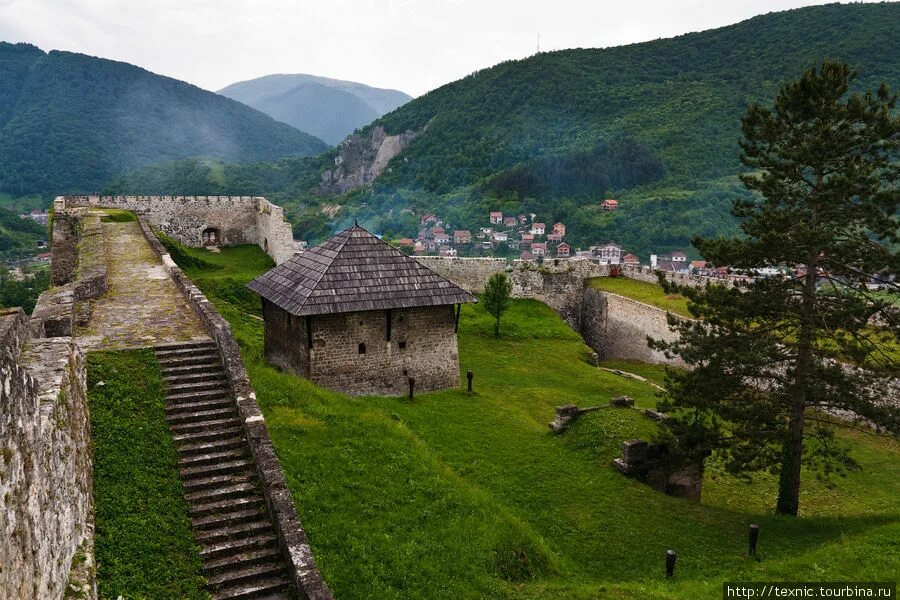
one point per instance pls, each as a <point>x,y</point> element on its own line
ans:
<point>497,292</point>
<point>763,386</point>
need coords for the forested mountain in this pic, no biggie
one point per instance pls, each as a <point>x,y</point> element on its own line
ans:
<point>656,124</point>
<point>329,109</point>
<point>70,122</point>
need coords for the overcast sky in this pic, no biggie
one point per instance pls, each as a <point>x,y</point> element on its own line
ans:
<point>411,45</point>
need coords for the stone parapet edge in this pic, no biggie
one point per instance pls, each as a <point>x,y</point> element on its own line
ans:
<point>292,539</point>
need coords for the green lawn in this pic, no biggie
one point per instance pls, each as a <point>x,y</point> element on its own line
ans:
<point>143,542</point>
<point>459,496</point>
<point>648,293</point>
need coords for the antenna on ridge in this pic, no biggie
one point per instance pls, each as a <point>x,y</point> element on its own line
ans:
<point>539,42</point>
<point>355,223</point>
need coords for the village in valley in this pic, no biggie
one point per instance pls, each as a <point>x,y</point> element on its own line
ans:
<point>524,237</point>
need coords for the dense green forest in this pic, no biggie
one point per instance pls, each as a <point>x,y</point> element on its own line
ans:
<point>18,237</point>
<point>654,124</point>
<point>69,123</point>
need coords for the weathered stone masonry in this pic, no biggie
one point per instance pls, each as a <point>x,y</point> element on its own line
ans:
<point>45,464</point>
<point>192,220</point>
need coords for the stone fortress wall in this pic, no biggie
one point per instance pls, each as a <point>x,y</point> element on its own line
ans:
<point>612,325</point>
<point>46,533</point>
<point>234,219</point>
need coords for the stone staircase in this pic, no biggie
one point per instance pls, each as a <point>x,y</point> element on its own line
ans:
<point>239,546</point>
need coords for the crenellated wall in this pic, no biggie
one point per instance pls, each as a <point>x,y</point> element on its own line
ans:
<point>236,219</point>
<point>46,531</point>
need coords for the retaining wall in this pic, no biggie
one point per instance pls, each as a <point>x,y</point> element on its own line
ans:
<point>238,219</point>
<point>292,539</point>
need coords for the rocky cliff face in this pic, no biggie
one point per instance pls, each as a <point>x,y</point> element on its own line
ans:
<point>361,159</point>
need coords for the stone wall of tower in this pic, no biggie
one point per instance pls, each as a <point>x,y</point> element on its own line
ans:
<point>351,353</point>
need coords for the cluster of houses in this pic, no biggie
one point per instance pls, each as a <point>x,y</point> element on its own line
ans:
<point>41,217</point>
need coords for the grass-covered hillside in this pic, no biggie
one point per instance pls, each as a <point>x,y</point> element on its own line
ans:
<point>654,124</point>
<point>459,496</point>
<point>69,122</point>
<point>19,237</point>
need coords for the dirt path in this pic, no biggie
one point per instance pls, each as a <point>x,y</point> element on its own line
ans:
<point>142,307</point>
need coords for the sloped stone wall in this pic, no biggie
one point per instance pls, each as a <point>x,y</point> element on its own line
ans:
<point>236,219</point>
<point>45,464</point>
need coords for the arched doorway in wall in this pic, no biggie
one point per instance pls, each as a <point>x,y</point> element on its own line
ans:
<point>211,236</point>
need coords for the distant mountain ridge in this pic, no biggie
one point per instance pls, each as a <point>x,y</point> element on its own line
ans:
<point>70,122</point>
<point>330,109</point>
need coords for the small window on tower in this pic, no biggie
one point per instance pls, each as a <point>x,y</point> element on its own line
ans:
<point>362,348</point>
<point>401,345</point>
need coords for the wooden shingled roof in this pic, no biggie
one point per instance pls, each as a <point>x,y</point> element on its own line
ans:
<point>354,271</point>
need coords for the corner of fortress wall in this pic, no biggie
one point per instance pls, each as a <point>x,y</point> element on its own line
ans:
<point>235,219</point>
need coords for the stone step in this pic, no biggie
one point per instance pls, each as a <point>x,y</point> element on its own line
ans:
<point>246,573</point>
<point>200,395</point>
<point>224,492</point>
<point>183,351</point>
<point>214,482</point>
<point>208,343</point>
<point>179,370</point>
<point>216,445</point>
<point>195,460</point>
<point>201,415</point>
<point>233,532</point>
<point>196,386</point>
<point>228,519</point>
<point>242,559</point>
<point>199,437</point>
<point>253,589</point>
<point>222,468</point>
<point>247,500</point>
<point>217,375</point>
<point>199,405</point>
<point>219,551</point>
<point>212,425</point>
<point>210,358</point>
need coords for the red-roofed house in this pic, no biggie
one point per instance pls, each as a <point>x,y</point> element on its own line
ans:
<point>526,256</point>
<point>462,236</point>
<point>698,265</point>
<point>538,228</point>
<point>441,238</point>
<point>563,250</point>
<point>609,204</point>
<point>405,242</point>
<point>630,259</point>
<point>539,248</point>
<point>437,230</point>
<point>554,237</point>
<point>509,222</point>
<point>496,217</point>
<point>559,229</point>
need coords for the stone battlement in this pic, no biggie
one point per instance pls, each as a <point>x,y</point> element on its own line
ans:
<point>204,220</point>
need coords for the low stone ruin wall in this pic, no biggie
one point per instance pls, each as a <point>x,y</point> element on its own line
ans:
<point>236,219</point>
<point>291,537</point>
<point>46,531</point>
<point>649,275</point>
<point>79,272</point>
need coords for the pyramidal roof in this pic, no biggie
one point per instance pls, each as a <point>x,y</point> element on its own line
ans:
<point>354,271</point>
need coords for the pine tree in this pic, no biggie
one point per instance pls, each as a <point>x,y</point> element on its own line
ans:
<point>770,360</point>
<point>496,296</point>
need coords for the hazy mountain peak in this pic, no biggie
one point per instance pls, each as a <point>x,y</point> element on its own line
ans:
<point>327,108</point>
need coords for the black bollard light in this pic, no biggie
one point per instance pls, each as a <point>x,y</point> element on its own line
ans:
<point>412,385</point>
<point>670,563</point>
<point>469,376</point>
<point>754,537</point>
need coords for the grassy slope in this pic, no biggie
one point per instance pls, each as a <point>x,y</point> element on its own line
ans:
<point>471,496</point>
<point>144,546</point>
<point>648,293</point>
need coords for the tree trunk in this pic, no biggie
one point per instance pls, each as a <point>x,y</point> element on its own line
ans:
<point>789,491</point>
<point>497,327</point>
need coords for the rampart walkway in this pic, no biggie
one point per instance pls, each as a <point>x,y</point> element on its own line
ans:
<point>142,307</point>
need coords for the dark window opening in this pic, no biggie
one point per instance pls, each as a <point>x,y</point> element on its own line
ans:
<point>266,244</point>
<point>362,348</point>
<point>405,373</point>
<point>211,236</point>
<point>401,345</point>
